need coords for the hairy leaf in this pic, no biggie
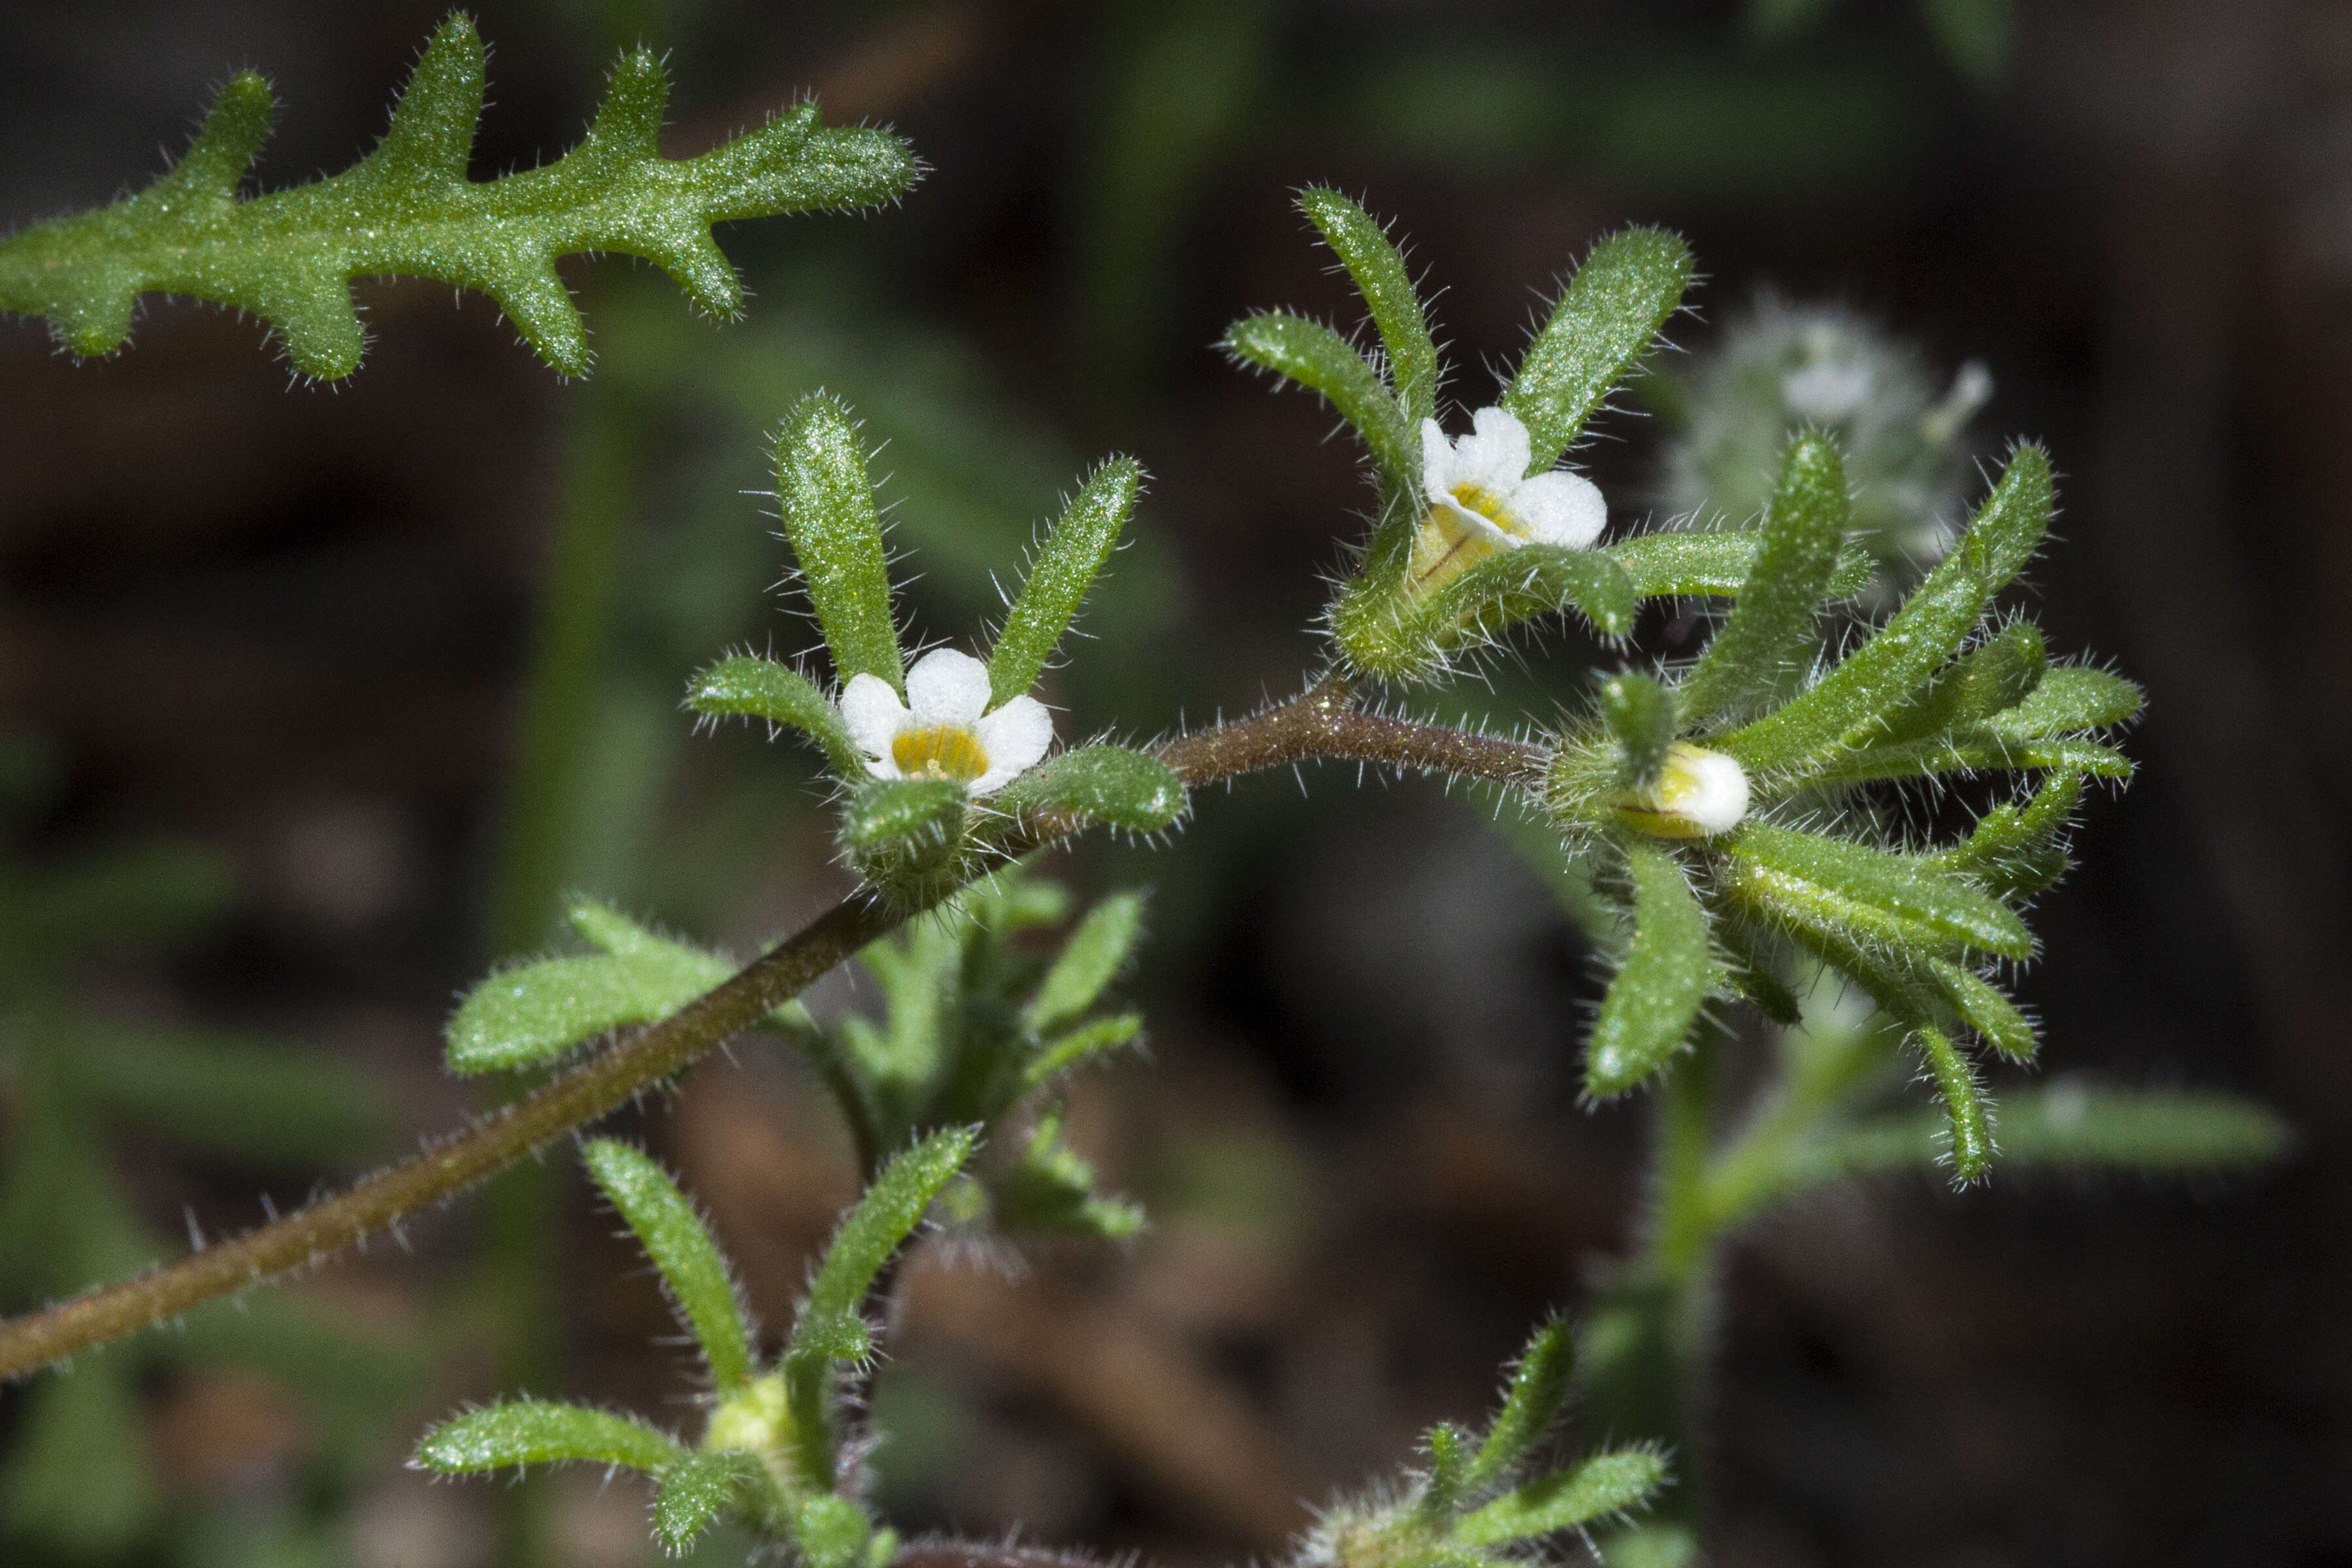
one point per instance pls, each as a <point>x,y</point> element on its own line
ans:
<point>1608,317</point>
<point>1715,565</point>
<point>741,686</point>
<point>534,1432</point>
<point>1986,1010</point>
<point>1088,961</point>
<point>1657,992</point>
<point>2015,850</point>
<point>1532,1400</point>
<point>1608,1483</point>
<point>2069,698</point>
<point>830,1533</point>
<point>2010,525</point>
<point>1641,715</point>
<point>531,1013</point>
<point>680,1245</point>
<point>1968,1114</point>
<point>1066,567</point>
<point>1969,751</point>
<point>1994,678</point>
<point>1532,580</point>
<point>836,535</point>
<point>1802,881</point>
<point>694,1491</point>
<point>1088,1041</point>
<point>408,209</point>
<point>1321,360</point>
<point>1109,784</point>
<point>1771,627</point>
<point>1052,1191</point>
<point>1377,270</point>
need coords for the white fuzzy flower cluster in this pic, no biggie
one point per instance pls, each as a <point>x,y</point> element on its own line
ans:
<point>944,729</point>
<point>1481,500</point>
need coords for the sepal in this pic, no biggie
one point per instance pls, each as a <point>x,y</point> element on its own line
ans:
<point>1128,790</point>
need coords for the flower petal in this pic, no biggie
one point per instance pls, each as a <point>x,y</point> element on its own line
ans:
<point>1481,526</point>
<point>1494,454</point>
<point>1015,737</point>
<point>947,687</point>
<point>1436,462</point>
<point>1561,508</point>
<point>871,711</point>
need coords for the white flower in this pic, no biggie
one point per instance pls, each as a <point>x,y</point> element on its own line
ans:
<point>943,730</point>
<point>1482,499</point>
<point>1827,391</point>
<point>1698,794</point>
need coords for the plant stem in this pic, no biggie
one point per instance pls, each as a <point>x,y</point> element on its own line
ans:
<point>1317,724</point>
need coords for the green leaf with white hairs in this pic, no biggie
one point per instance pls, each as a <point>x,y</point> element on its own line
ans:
<point>1533,1397</point>
<point>1648,1011</point>
<point>1716,565</point>
<point>1607,1484</point>
<point>1377,270</point>
<point>1969,751</point>
<point>1321,360</point>
<point>2018,851</point>
<point>836,535</point>
<point>408,209</point>
<point>907,837</point>
<point>1051,1191</point>
<point>1986,680</point>
<point>1089,960</point>
<point>537,1432</point>
<point>1986,1009</point>
<point>695,1490</point>
<point>1448,1447</point>
<point>2069,698</point>
<point>681,1247</point>
<point>743,687</point>
<point>1642,716</point>
<point>1079,1046</point>
<point>1066,567</point>
<point>528,1014</point>
<point>1606,320</point>
<point>1804,882</point>
<point>1120,788</point>
<point>830,1533</point>
<point>829,1326</point>
<point>1518,584</point>
<point>2009,529</point>
<point>1771,628</point>
<point>1968,1114</point>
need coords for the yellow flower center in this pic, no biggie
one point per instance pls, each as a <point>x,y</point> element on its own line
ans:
<point>1446,547</point>
<point>939,752</point>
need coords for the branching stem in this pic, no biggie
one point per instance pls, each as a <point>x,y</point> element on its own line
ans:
<point>1321,723</point>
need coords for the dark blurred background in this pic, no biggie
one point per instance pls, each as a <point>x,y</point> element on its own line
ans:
<point>405,654</point>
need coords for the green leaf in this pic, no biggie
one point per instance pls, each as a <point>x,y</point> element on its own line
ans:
<point>1641,715</point>
<point>525,1015</point>
<point>1610,315</point>
<point>2069,698</point>
<point>1831,715</point>
<point>1088,961</point>
<point>1532,1400</point>
<point>1063,1052</point>
<point>1648,1011</point>
<point>695,1489</point>
<point>1968,1115</point>
<point>1996,677</point>
<point>1751,975</point>
<point>1715,565</point>
<point>828,1326</point>
<point>1805,882</point>
<point>1988,1012</point>
<point>1052,1191</point>
<point>907,837</point>
<point>1323,362</point>
<point>1448,1447</point>
<point>1606,1484</point>
<point>2007,529</point>
<point>256,1102</point>
<point>1066,567</point>
<point>741,686</point>
<point>77,1480</point>
<point>836,535</point>
<point>680,1245</point>
<point>1969,751</point>
<point>2071,1124</point>
<point>2014,851</point>
<point>407,209</point>
<point>1110,784</point>
<point>1771,628</point>
<point>830,1533</point>
<point>535,1431</point>
<point>1377,270</point>
<point>1515,586</point>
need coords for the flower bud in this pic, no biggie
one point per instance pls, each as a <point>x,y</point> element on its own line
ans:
<point>1698,794</point>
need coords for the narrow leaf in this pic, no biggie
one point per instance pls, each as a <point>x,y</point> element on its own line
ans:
<point>1109,784</point>
<point>1515,586</point>
<point>1066,567</point>
<point>234,130</point>
<point>1323,362</point>
<point>533,1432</point>
<point>2015,851</point>
<point>1608,1484</point>
<point>1648,1011</point>
<point>1641,715</point>
<point>1379,272</point>
<point>1771,627</point>
<point>528,1014</point>
<point>1805,881</point>
<point>1532,1401</point>
<point>694,1491</point>
<point>1605,321</point>
<point>1051,1191</point>
<point>1715,565</point>
<point>741,686</point>
<point>1081,1044</point>
<point>1969,751</point>
<point>828,510</point>
<point>1986,1010</point>
<point>680,1245</point>
<point>2069,698</point>
<point>1967,1113</point>
<point>1448,1447</point>
<point>2007,529</point>
<point>1990,680</point>
<point>1088,961</point>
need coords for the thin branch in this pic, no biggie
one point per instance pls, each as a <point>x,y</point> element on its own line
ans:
<point>1317,724</point>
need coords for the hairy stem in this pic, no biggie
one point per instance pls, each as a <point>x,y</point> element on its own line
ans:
<point>1318,724</point>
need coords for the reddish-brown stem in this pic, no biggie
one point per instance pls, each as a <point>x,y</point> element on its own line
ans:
<point>1317,724</point>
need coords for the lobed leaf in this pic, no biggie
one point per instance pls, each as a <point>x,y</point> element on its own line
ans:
<point>1641,714</point>
<point>1066,564</point>
<point>1533,1398</point>
<point>1088,961</point>
<point>694,1491</point>
<point>1608,315</point>
<point>1323,362</point>
<point>535,1431</point>
<point>1110,784</point>
<point>1650,1004</point>
<point>1377,270</point>
<point>1771,627</point>
<point>742,685</point>
<point>408,209</point>
<point>1607,1484</point>
<point>525,1014</point>
<point>1715,565</point>
<point>836,535</point>
<point>1803,882</point>
<point>680,1246</point>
